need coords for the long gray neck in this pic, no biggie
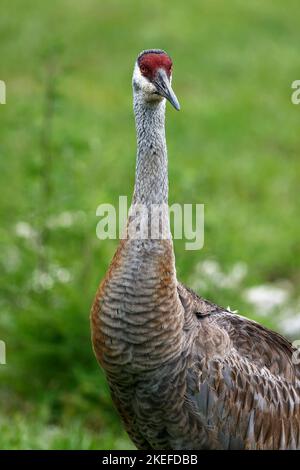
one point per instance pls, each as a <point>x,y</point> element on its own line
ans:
<point>141,310</point>
<point>151,184</point>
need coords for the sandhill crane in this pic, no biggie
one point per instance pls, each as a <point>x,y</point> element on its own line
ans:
<point>183,372</point>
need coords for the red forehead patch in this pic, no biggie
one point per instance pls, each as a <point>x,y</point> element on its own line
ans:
<point>150,62</point>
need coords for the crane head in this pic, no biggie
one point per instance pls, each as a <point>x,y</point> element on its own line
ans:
<point>152,77</point>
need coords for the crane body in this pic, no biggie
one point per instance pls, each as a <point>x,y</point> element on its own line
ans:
<point>183,372</point>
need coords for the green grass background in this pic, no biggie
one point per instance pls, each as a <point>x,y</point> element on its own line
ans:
<point>67,144</point>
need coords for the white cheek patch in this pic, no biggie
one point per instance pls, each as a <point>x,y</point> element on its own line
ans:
<point>143,84</point>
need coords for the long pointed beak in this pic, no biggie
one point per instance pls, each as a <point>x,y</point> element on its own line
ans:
<point>164,88</point>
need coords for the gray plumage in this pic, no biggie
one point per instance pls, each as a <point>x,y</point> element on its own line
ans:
<point>183,372</point>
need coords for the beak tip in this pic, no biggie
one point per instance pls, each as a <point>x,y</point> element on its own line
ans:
<point>174,101</point>
<point>176,105</point>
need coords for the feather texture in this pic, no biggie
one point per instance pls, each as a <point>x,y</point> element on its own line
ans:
<point>185,373</point>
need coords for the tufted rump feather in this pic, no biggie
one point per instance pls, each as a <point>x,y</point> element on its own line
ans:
<point>262,346</point>
<point>248,397</point>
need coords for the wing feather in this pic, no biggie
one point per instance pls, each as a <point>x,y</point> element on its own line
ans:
<point>243,385</point>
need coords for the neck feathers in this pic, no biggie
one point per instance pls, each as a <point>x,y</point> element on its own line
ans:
<point>151,184</point>
<point>141,319</point>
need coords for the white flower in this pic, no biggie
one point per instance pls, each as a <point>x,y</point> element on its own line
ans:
<point>291,324</point>
<point>42,280</point>
<point>211,271</point>
<point>25,230</point>
<point>65,219</point>
<point>62,275</point>
<point>266,297</point>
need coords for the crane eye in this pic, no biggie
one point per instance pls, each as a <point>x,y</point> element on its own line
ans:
<point>143,69</point>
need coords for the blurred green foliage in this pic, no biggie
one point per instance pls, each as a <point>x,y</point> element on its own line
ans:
<point>67,144</point>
